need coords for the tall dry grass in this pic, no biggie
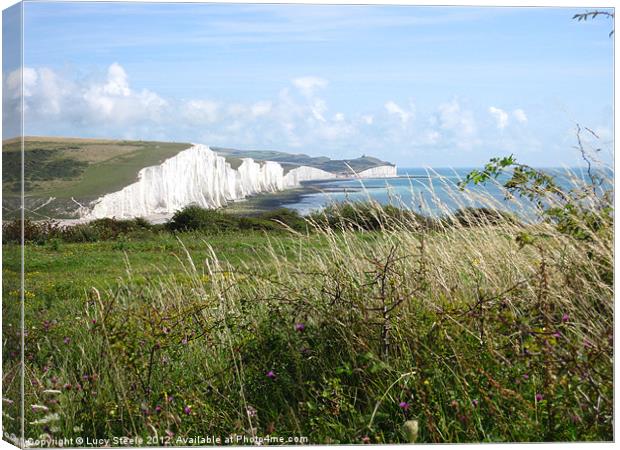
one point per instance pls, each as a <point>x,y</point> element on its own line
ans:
<point>465,328</point>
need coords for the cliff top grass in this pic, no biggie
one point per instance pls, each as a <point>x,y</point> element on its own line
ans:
<point>77,167</point>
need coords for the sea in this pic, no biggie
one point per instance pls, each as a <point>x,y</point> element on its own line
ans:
<point>429,191</point>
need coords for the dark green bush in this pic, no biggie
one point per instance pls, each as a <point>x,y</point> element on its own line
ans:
<point>194,217</point>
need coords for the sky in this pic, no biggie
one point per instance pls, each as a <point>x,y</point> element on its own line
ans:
<point>417,86</point>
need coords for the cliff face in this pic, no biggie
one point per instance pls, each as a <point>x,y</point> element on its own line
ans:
<point>378,172</point>
<point>200,176</point>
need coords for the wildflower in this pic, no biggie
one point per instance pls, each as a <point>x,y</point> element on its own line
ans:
<point>158,409</point>
<point>526,376</point>
<point>271,375</point>
<point>94,321</point>
<point>251,411</point>
<point>184,341</point>
<point>187,410</point>
<point>557,334</point>
<point>365,440</point>
<point>67,386</point>
<point>36,408</point>
<point>170,399</point>
<point>404,406</point>
<point>300,327</point>
<point>67,340</point>
<point>539,397</point>
<point>565,317</point>
<point>475,402</point>
<point>411,428</point>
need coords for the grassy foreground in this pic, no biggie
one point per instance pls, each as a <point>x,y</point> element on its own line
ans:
<point>461,334</point>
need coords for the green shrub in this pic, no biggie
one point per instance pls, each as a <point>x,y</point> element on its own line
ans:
<point>194,217</point>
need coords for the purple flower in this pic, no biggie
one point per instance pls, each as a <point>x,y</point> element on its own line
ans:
<point>184,341</point>
<point>170,399</point>
<point>68,386</point>
<point>67,340</point>
<point>475,403</point>
<point>557,334</point>
<point>526,376</point>
<point>271,375</point>
<point>187,410</point>
<point>158,409</point>
<point>404,406</point>
<point>300,327</point>
<point>539,397</point>
<point>565,317</point>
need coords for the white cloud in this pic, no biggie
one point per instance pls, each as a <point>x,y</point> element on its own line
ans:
<point>298,117</point>
<point>501,117</point>
<point>202,111</point>
<point>393,108</point>
<point>308,85</point>
<point>454,118</point>
<point>261,108</point>
<point>318,108</point>
<point>368,119</point>
<point>519,115</point>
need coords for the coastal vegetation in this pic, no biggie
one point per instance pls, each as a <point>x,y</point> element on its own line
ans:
<point>358,324</point>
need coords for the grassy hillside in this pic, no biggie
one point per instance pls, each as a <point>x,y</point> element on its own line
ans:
<point>79,168</point>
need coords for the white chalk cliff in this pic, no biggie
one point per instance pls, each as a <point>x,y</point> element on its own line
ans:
<point>200,176</point>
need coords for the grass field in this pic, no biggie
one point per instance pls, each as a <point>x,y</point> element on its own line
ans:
<point>394,335</point>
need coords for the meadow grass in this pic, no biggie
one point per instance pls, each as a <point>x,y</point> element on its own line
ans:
<point>473,330</point>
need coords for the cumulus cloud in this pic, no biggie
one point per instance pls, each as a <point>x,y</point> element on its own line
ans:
<point>519,115</point>
<point>201,111</point>
<point>453,117</point>
<point>500,116</point>
<point>298,117</point>
<point>59,102</point>
<point>393,108</point>
<point>368,119</point>
<point>309,85</point>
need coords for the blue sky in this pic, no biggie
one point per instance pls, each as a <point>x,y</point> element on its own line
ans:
<point>436,86</point>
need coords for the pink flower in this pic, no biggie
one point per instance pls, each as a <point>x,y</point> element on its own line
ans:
<point>67,340</point>
<point>187,410</point>
<point>271,375</point>
<point>404,406</point>
<point>158,409</point>
<point>300,327</point>
<point>475,403</point>
<point>365,440</point>
<point>565,317</point>
<point>539,397</point>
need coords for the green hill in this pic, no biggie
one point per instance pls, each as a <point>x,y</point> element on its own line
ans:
<point>79,168</point>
